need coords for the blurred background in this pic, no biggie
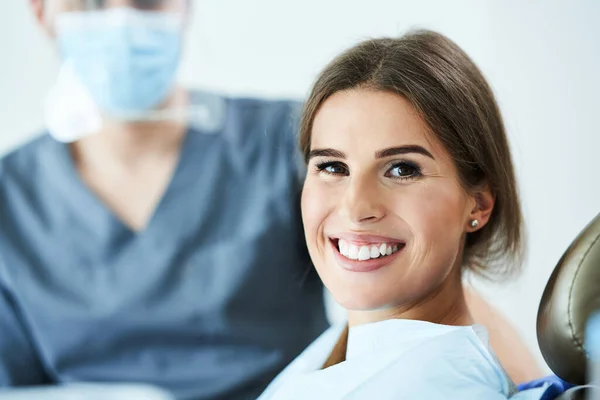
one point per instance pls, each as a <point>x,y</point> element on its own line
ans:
<point>542,59</point>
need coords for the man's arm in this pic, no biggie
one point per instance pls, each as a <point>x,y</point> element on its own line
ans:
<point>19,364</point>
<point>512,352</point>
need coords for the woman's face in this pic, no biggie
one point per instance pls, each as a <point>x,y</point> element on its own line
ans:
<point>384,213</point>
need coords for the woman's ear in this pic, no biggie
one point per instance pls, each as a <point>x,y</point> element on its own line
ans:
<point>38,8</point>
<point>482,211</point>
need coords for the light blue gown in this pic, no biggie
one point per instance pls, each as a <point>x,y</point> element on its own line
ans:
<point>400,359</point>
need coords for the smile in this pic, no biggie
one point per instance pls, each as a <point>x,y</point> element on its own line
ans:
<point>367,252</point>
<point>365,256</point>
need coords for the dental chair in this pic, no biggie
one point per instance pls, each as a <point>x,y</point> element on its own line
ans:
<point>571,296</point>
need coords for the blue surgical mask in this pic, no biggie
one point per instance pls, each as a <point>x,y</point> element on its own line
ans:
<point>125,58</point>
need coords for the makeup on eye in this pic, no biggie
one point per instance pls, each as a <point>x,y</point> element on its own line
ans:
<point>332,167</point>
<point>402,170</point>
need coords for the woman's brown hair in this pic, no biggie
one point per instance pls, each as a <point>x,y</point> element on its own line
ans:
<point>456,102</point>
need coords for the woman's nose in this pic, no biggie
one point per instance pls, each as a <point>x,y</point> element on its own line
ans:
<point>362,201</point>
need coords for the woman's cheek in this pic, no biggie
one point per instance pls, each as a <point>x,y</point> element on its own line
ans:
<point>433,215</point>
<point>442,206</point>
<point>314,206</point>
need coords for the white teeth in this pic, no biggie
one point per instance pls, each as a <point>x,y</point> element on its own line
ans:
<point>364,253</point>
<point>374,251</point>
<point>346,251</point>
<point>353,252</point>
<point>343,246</point>
<point>382,249</point>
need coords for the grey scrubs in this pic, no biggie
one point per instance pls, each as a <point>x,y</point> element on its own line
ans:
<point>210,301</point>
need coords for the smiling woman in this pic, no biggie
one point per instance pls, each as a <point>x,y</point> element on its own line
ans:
<point>410,182</point>
<point>448,99</point>
<point>397,190</point>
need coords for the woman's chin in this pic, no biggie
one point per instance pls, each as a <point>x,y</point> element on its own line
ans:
<point>361,302</point>
<point>359,292</point>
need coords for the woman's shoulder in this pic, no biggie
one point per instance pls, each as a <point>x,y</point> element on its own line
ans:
<point>449,362</point>
<point>452,362</point>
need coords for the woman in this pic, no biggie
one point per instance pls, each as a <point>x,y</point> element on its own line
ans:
<point>409,184</point>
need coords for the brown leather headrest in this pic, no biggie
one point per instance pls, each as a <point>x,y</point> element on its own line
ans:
<point>572,293</point>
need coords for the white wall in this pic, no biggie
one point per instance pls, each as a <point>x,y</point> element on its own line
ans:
<point>541,57</point>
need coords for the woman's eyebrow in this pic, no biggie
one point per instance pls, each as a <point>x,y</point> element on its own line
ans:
<point>394,151</point>
<point>391,151</point>
<point>326,153</point>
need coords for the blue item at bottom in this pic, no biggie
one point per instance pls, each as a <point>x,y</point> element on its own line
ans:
<point>556,386</point>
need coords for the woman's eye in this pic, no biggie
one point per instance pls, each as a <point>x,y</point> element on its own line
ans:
<point>333,168</point>
<point>403,171</point>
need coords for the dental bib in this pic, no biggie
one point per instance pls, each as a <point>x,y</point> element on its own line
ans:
<point>396,359</point>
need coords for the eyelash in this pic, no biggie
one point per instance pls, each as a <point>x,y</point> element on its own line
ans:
<point>322,168</point>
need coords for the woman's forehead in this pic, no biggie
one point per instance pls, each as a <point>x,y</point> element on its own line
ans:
<point>368,118</point>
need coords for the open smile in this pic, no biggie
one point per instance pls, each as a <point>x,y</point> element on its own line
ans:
<point>365,255</point>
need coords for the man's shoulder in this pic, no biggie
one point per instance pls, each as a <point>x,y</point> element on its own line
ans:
<point>22,163</point>
<point>258,109</point>
<point>253,123</point>
<point>264,102</point>
<point>17,168</point>
<point>25,154</point>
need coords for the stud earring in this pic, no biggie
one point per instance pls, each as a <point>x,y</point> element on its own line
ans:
<point>474,223</point>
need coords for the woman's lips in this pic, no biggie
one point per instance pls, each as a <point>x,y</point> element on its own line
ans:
<point>367,259</point>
